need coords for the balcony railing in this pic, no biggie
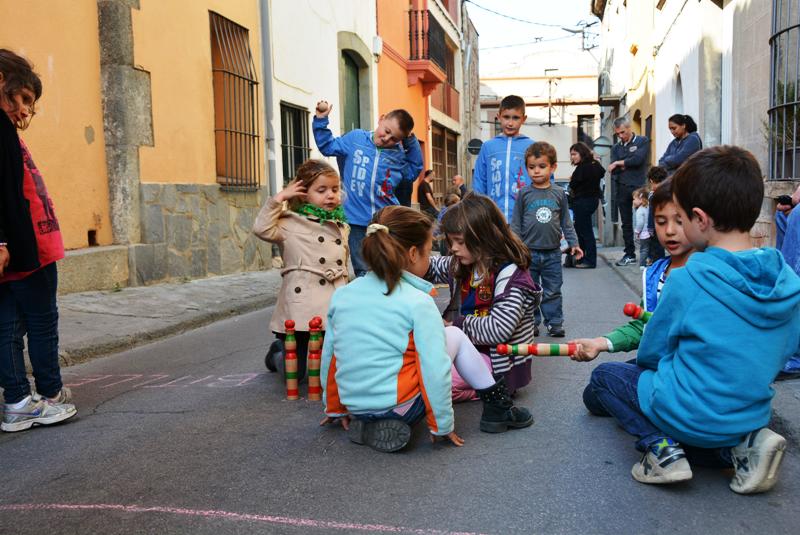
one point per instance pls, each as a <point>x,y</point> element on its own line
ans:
<point>445,99</point>
<point>426,36</point>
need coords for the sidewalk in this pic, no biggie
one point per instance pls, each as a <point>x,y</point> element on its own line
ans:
<point>785,404</point>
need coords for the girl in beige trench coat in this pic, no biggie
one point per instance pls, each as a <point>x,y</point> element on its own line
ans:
<point>312,236</point>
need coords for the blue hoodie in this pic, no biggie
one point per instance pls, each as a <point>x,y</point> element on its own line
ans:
<point>724,326</point>
<point>369,173</point>
<point>500,171</point>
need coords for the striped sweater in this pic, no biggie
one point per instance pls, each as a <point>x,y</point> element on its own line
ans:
<point>510,318</point>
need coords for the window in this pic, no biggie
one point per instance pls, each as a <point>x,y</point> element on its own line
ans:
<point>236,117</point>
<point>586,133</point>
<point>445,158</point>
<point>294,139</point>
<point>783,127</point>
<point>351,95</point>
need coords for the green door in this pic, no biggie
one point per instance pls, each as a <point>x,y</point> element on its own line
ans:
<point>352,115</point>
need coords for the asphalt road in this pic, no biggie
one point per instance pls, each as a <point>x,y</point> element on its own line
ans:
<point>191,435</point>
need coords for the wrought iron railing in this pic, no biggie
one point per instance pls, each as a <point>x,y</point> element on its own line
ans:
<point>426,37</point>
<point>783,131</point>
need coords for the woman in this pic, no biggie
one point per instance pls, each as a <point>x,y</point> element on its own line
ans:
<point>584,192</point>
<point>687,141</point>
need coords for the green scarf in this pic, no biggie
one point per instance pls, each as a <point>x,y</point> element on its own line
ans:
<point>336,215</point>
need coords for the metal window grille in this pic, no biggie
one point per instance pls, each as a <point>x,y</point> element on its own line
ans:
<point>784,102</point>
<point>295,147</point>
<point>236,116</point>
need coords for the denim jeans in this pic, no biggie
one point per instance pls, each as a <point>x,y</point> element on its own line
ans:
<point>644,251</point>
<point>546,270</point>
<point>584,208</point>
<point>29,306</point>
<point>413,415</point>
<point>357,235</point>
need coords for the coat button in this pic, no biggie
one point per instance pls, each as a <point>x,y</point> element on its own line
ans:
<point>321,239</point>
<point>321,260</point>
<point>338,262</point>
<point>297,290</point>
<point>338,241</point>
<point>322,282</point>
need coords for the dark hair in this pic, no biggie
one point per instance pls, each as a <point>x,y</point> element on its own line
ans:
<point>404,120</point>
<point>17,74</point>
<point>542,148</point>
<point>428,173</point>
<point>385,251</point>
<point>512,102</point>
<point>725,182</point>
<point>583,151</point>
<point>657,174</point>
<point>308,172</point>
<point>662,195</point>
<point>486,234</point>
<point>684,120</point>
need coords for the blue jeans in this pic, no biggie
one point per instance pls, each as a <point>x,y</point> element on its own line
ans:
<point>357,235</point>
<point>413,415</point>
<point>29,306</point>
<point>546,270</point>
<point>584,208</point>
<point>787,240</point>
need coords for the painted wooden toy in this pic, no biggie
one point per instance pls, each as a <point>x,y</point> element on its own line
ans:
<point>636,312</point>
<point>314,358</point>
<point>290,359</point>
<point>538,350</point>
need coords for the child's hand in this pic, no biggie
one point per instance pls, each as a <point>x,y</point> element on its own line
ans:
<point>577,252</point>
<point>323,109</point>
<point>292,190</point>
<point>588,348</point>
<point>344,420</point>
<point>451,436</point>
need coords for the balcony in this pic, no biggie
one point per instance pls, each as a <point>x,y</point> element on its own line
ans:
<point>445,98</point>
<point>428,51</point>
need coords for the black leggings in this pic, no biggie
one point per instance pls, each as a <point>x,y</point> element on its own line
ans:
<point>302,338</point>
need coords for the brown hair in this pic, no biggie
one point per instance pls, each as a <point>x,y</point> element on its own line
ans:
<point>662,195</point>
<point>486,234</point>
<point>404,120</point>
<point>308,172</point>
<point>17,74</point>
<point>512,102</point>
<point>451,199</point>
<point>542,148</point>
<point>583,151</point>
<point>385,251</point>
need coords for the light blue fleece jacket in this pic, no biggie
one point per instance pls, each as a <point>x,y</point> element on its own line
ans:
<point>724,326</point>
<point>500,171</point>
<point>369,174</point>
<point>367,342</point>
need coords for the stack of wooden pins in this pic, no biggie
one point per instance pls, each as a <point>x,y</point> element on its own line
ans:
<point>314,358</point>
<point>290,361</point>
<point>538,350</point>
<point>636,312</point>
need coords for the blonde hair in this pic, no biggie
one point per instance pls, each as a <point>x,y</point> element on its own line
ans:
<point>641,194</point>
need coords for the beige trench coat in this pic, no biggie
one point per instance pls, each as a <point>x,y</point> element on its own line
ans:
<point>315,257</point>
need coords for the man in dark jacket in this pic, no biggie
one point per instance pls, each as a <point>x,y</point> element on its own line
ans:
<point>629,163</point>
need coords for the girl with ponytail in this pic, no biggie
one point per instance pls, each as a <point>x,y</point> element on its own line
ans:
<point>687,141</point>
<point>387,356</point>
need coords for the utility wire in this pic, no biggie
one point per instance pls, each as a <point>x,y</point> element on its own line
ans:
<point>512,18</point>
<point>536,41</point>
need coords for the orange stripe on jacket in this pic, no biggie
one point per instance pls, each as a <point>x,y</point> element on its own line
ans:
<point>410,383</point>
<point>332,402</point>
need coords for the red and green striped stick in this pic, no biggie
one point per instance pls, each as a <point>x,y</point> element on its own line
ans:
<point>290,361</point>
<point>538,350</point>
<point>314,358</point>
<point>636,312</point>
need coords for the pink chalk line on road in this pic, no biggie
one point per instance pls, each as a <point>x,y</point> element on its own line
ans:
<point>226,515</point>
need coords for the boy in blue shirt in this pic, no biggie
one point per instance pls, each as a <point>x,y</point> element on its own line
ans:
<point>372,165</point>
<point>500,170</point>
<point>723,327</point>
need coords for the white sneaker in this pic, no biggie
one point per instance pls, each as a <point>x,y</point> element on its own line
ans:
<point>64,396</point>
<point>35,412</point>
<point>668,466</point>
<point>756,460</point>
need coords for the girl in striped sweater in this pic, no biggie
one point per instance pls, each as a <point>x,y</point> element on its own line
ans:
<point>492,295</point>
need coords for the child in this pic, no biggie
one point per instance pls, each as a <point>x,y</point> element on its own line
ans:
<point>30,245</point>
<point>372,165</point>
<point>386,359</point>
<point>640,230</point>
<point>449,200</point>
<point>500,169</point>
<point>540,218</point>
<point>492,296</point>
<point>312,236</point>
<point>655,176</point>
<point>724,326</point>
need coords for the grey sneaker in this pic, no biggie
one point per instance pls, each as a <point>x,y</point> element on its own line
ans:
<point>64,396</point>
<point>35,412</point>
<point>626,260</point>
<point>664,463</point>
<point>756,460</point>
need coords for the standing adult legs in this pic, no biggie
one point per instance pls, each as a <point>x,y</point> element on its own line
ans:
<point>625,206</point>
<point>584,209</point>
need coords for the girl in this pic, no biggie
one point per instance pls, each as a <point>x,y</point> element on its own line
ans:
<point>30,245</point>
<point>492,295</point>
<point>386,358</point>
<point>312,236</point>
<point>640,230</point>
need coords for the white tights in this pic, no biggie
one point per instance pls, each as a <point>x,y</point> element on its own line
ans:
<point>467,360</point>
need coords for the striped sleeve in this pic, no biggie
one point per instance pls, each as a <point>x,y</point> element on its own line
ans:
<point>439,270</point>
<point>499,325</point>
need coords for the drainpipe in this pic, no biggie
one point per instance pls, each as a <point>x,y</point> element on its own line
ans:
<point>266,75</point>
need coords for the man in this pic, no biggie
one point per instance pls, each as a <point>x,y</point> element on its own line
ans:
<point>458,186</point>
<point>629,163</point>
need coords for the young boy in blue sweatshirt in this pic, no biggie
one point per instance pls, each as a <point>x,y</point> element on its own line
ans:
<point>723,327</point>
<point>500,170</point>
<point>372,165</point>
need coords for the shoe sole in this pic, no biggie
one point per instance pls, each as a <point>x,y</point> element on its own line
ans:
<point>27,424</point>
<point>385,436</point>
<point>767,475</point>
<point>665,479</point>
<point>502,427</point>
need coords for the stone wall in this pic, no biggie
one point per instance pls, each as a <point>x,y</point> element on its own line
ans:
<point>191,231</point>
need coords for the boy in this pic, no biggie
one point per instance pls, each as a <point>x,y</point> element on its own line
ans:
<point>655,176</point>
<point>724,326</point>
<point>372,164</point>
<point>540,217</point>
<point>500,169</point>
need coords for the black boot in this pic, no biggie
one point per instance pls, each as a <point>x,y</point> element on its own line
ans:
<point>274,355</point>
<point>499,412</point>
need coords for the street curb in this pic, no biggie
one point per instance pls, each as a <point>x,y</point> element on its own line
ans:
<point>634,283</point>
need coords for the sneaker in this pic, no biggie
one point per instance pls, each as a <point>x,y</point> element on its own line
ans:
<point>556,331</point>
<point>662,463</point>
<point>756,460</point>
<point>64,396</point>
<point>536,330</point>
<point>381,435</point>
<point>626,260</point>
<point>35,412</point>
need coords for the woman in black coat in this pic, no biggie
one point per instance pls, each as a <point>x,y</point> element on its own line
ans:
<point>584,193</point>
